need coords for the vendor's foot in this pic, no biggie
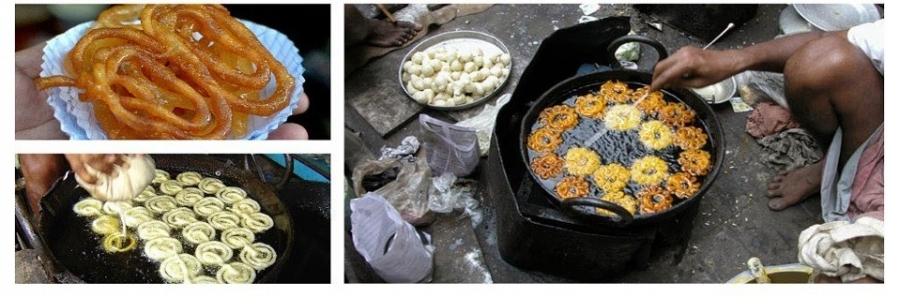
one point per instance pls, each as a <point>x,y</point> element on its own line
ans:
<point>387,34</point>
<point>791,187</point>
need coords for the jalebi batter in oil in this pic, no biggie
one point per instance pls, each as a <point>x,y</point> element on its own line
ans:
<point>572,187</point>
<point>622,117</point>
<point>612,177</point>
<point>695,162</point>
<point>615,91</point>
<point>620,198</point>
<point>547,166</point>
<point>581,161</point>
<point>649,170</point>
<point>683,185</point>
<point>690,138</point>
<point>655,135</point>
<point>544,140</point>
<point>186,72</point>
<point>677,114</point>
<point>559,118</point>
<point>590,106</point>
<point>654,199</point>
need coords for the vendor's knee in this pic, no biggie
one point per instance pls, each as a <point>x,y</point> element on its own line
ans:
<point>823,64</point>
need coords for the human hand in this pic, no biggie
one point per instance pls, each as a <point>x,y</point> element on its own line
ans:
<point>693,67</point>
<point>291,131</point>
<point>104,163</point>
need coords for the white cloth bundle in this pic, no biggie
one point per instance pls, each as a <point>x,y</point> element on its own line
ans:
<point>847,250</point>
<point>130,179</point>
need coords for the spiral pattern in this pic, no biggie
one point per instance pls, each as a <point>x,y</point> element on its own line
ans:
<point>245,206</point>
<point>116,207</point>
<point>179,217</point>
<point>213,253</point>
<point>258,255</point>
<point>210,185</point>
<point>161,248</point>
<point>649,170</point>
<point>655,135</point>
<point>198,232</point>
<point>153,229</point>
<point>257,222</point>
<point>188,197</point>
<point>106,224</point>
<point>189,178</point>
<point>116,242</point>
<point>236,273</point>
<point>135,216</point>
<point>88,207</point>
<point>179,268</point>
<point>581,161</point>
<point>147,193</point>
<point>224,220</point>
<point>230,195</point>
<point>161,204</point>
<point>203,280</point>
<point>208,206</point>
<point>622,117</point>
<point>237,238</point>
<point>160,177</point>
<point>171,187</point>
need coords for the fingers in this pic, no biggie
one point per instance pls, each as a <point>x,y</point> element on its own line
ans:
<point>289,131</point>
<point>29,60</point>
<point>103,163</point>
<point>302,105</point>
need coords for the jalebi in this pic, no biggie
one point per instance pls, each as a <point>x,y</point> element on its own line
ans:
<point>559,117</point>
<point>590,106</point>
<point>654,199</point>
<point>547,166</point>
<point>544,140</point>
<point>655,135</point>
<point>682,185</point>
<point>695,162</point>
<point>572,187</point>
<point>676,114</point>
<point>581,161</point>
<point>621,199</point>
<point>622,117</point>
<point>612,177</point>
<point>649,170</point>
<point>690,138</point>
<point>615,91</point>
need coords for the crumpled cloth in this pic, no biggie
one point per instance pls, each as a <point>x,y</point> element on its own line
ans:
<point>867,194</point>
<point>790,149</point>
<point>132,177</point>
<point>842,249</point>
<point>769,118</point>
<point>408,146</point>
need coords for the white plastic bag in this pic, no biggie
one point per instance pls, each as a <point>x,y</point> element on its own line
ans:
<point>389,244</point>
<point>484,123</point>
<point>448,147</point>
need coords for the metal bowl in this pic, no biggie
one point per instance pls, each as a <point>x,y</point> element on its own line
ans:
<point>719,92</point>
<point>835,17</point>
<point>459,39</point>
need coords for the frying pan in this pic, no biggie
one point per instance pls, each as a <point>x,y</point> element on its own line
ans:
<point>583,208</point>
<point>73,249</point>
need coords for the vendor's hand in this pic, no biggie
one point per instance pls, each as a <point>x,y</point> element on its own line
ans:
<point>34,117</point>
<point>104,163</point>
<point>693,67</point>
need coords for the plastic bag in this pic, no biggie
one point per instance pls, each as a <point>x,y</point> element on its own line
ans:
<point>393,247</point>
<point>450,148</point>
<point>408,146</point>
<point>408,193</point>
<point>484,123</point>
<point>769,83</point>
<point>449,193</point>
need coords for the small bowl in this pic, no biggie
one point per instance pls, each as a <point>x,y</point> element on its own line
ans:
<point>719,92</point>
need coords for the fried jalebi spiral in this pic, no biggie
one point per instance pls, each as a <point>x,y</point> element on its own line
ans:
<point>615,91</point>
<point>572,187</point>
<point>198,232</point>
<point>202,280</point>
<point>622,117</point>
<point>652,104</point>
<point>116,242</point>
<point>611,178</point>
<point>88,207</point>
<point>257,222</point>
<point>133,217</point>
<point>188,197</point>
<point>189,178</point>
<point>245,206</point>
<point>654,199</point>
<point>119,16</point>
<point>559,117</point>
<point>208,206</point>
<point>682,185</point>
<point>213,253</point>
<point>224,220</point>
<point>210,185</point>
<point>547,166</point>
<point>677,114</point>
<point>258,255</point>
<point>171,187</point>
<point>116,207</point>
<point>161,204</point>
<point>230,195</point>
<point>590,106</point>
<point>695,162</point>
<point>160,248</point>
<point>690,138</point>
<point>147,193</point>
<point>236,273</point>
<point>649,170</point>
<point>179,217</point>
<point>180,267</point>
<point>161,176</point>
<point>621,199</point>
<point>106,224</point>
<point>655,135</point>
<point>153,229</point>
<point>544,140</point>
<point>237,238</point>
<point>581,161</point>
<point>188,71</point>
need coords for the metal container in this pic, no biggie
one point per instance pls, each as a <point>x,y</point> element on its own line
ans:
<point>836,17</point>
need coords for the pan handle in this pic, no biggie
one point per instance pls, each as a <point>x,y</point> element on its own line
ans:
<point>615,44</point>
<point>625,217</point>
<point>32,238</point>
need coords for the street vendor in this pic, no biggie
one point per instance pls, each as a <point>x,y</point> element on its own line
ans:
<point>834,85</point>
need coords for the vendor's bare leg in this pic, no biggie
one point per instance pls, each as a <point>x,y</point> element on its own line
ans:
<point>40,172</point>
<point>829,83</point>
<point>376,32</point>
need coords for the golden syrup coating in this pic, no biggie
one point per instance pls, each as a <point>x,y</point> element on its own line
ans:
<point>559,117</point>
<point>683,185</point>
<point>655,135</point>
<point>572,187</point>
<point>621,199</point>
<point>654,199</point>
<point>590,106</point>
<point>615,91</point>
<point>611,178</point>
<point>690,138</point>
<point>649,170</point>
<point>544,140</point>
<point>677,114</point>
<point>547,166</point>
<point>581,161</point>
<point>695,162</point>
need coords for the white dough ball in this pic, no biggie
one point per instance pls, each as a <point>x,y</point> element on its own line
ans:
<point>487,63</point>
<point>427,83</point>
<point>420,97</point>
<point>479,90</point>
<point>418,84</point>
<point>442,96</point>
<point>440,103</point>
<point>417,57</point>
<point>484,72</point>
<point>427,70</point>
<point>455,65</point>
<point>505,59</point>
<point>435,64</point>
<point>405,77</point>
<point>469,67</point>
<point>406,65</point>
<point>505,72</point>
<point>429,95</point>
<point>415,69</point>
<point>411,88</point>
<point>465,56</point>
<point>456,74</point>
<point>497,70</point>
<point>478,62</point>
<point>477,52</point>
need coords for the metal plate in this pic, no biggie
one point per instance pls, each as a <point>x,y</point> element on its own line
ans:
<point>719,92</point>
<point>835,17</point>
<point>459,40</point>
<point>791,22</point>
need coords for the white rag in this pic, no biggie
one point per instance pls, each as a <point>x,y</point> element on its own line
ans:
<point>132,177</point>
<point>843,249</point>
